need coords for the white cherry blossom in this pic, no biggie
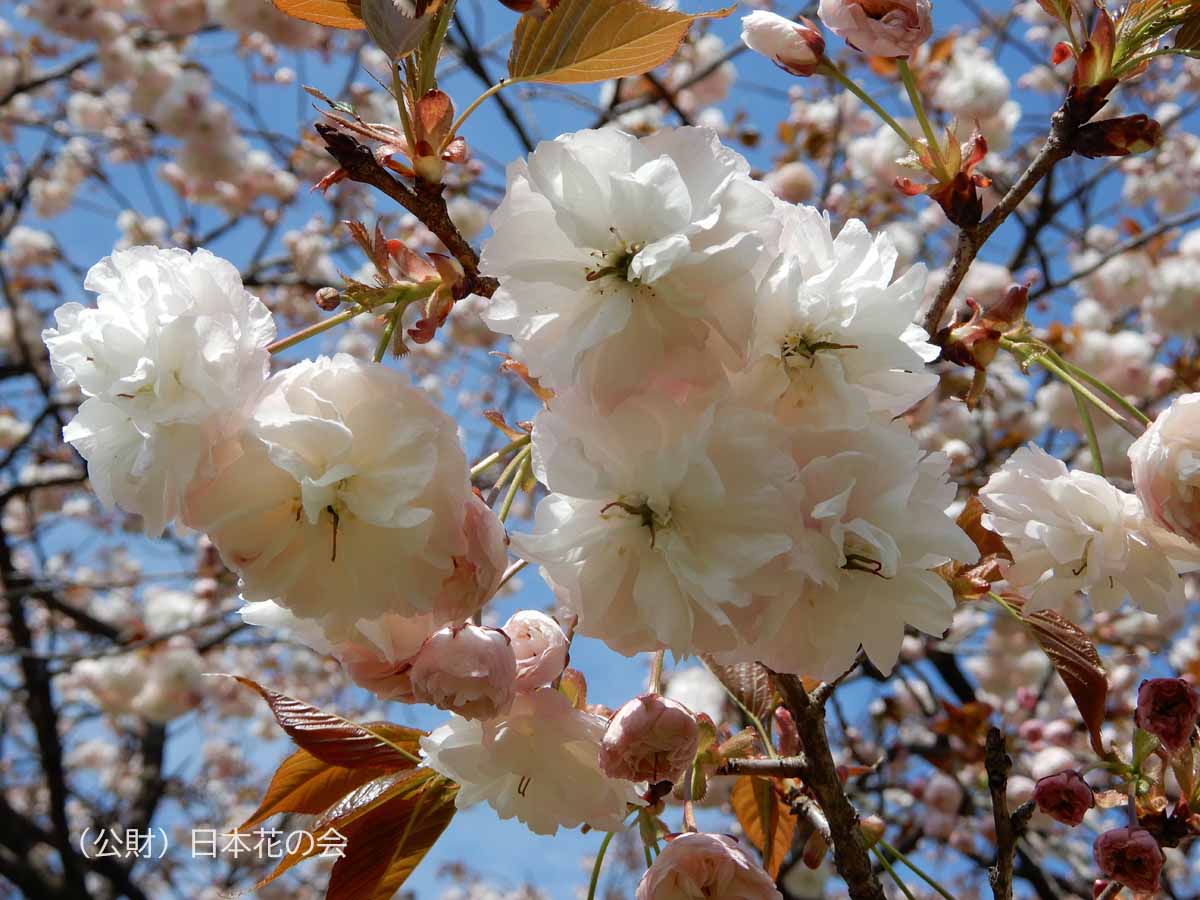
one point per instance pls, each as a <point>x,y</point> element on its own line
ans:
<point>833,339</point>
<point>165,360</point>
<point>538,763</point>
<point>660,514</point>
<point>1166,468</point>
<point>874,521</point>
<point>346,497</point>
<point>1074,531</point>
<point>613,252</point>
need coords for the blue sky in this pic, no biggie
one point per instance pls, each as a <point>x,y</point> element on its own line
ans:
<point>506,851</point>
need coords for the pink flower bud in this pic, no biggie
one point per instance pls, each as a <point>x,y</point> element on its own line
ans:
<point>795,47</point>
<point>329,298</point>
<point>467,669</point>
<point>478,571</point>
<point>379,656</point>
<point>539,646</point>
<point>879,27</point>
<point>1131,856</point>
<point>1168,708</point>
<point>650,739</point>
<point>1065,797</point>
<point>705,865</point>
<point>789,735</point>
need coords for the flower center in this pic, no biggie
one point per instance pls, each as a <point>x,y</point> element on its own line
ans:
<point>615,262</point>
<point>864,555</point>
<point>639,507</point>
<point>799,348</point>
<point>318,500</point>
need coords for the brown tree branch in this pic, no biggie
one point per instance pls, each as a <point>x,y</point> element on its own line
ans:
<point>39,705</point>
<point>1056,148</point>
<point>1134,243</point>
<point>779,767</point>
<point>850,855</point>
<point>151,784</point>
<point>424,200</point>
<point>1008,825</point>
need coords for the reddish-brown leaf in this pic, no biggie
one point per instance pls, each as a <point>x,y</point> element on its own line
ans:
<point>750,683</point>
<point>971,582</point>
<point>384,846</point>
<point>1188,35</point>
<point>1078,664</point>
<point>338,741</point>
<point>333,13</point>
<point>305,784</point>
<point>989,543</point>
<point>766,819</point>
<point>339,819</point>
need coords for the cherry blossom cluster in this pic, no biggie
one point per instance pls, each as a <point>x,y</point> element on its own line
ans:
<point>721,448</point>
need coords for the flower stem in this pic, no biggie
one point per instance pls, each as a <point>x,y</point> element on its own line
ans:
<point>1008,607</point>
<point>475,104</point>
<point>511,571</point>
<point>316,328</point>
<point>1029,352</point>
<point>1131,64</point>
<point>595,882</point>
<point>401,96</point>
<point>1108,392</point>
<point>896,878</point>
<point>521,460</point>
<point>829,69</point>
<point>1090,429</point>
<point>492,458</point>
<point>888,848</point>
<point>689,806</point>
<point>402,294</point>
<point>914,97</point>
<point>432,46</point>
<point>656,671</point>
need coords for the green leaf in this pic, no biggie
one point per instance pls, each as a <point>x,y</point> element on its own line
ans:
<point>1144,743</point>
<point>583,41</point>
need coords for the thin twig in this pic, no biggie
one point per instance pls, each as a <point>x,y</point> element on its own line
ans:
<point>778,767</point>
<point>998,764</point>
<point>1056,148</point>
